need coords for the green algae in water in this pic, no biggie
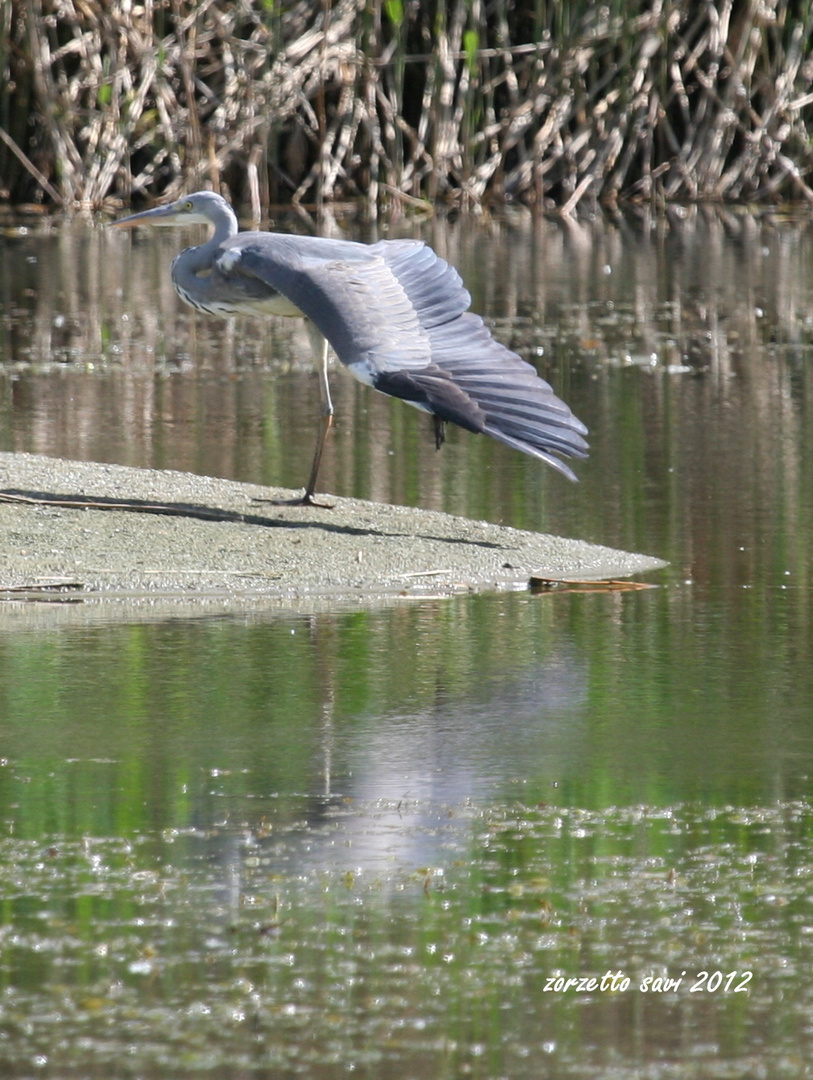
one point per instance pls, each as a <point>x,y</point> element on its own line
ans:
<point>257,950</point>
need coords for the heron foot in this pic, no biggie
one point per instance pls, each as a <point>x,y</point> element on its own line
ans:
<point>304,500</point>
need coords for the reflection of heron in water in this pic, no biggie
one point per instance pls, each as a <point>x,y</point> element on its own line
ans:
<point>395,313</point>
<point>407,785</point>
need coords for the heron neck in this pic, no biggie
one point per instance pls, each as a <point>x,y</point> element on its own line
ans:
<point>201,257</point>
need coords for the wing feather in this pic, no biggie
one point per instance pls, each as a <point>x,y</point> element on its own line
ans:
<point>507,398</point>
<point>397,315</point>
<point>347,290</point>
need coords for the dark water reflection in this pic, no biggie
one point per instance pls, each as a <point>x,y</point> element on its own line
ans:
<point>366,841</point>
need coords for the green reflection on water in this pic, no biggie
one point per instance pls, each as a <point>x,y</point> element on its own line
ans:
<point>291,847</point>
<point>655,697</point>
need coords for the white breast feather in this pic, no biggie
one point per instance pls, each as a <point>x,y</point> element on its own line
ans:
<point>228,260</point>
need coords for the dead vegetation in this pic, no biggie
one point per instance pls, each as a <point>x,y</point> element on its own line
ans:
<point>384,101</point>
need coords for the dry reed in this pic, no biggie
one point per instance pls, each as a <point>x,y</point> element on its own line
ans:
<point>465,101</point>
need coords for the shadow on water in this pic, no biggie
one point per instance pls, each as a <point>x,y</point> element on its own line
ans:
<point>386,841</point>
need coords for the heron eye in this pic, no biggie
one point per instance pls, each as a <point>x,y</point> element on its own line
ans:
<point>188,206</point>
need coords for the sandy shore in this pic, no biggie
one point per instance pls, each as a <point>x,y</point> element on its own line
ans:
<point>158,543</point>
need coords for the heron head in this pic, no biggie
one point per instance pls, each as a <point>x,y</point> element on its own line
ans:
<point>200,208</point>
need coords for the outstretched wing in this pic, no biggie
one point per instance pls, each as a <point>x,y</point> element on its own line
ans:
<point>517,406</point>
<point>397,315</point>
<point>344,288</point>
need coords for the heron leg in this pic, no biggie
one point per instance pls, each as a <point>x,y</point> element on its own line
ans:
<point>440,431</point>
<point>308,499</point>
<point>319,347</point>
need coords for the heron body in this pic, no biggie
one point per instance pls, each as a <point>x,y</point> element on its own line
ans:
<point>395,314</point>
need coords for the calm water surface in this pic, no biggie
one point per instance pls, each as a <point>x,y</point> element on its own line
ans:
<point>381,842</point>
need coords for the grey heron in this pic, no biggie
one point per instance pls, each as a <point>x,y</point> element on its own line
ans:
<point>395,313</point>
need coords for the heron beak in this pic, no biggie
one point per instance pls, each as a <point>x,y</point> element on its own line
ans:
<point>160,215</point>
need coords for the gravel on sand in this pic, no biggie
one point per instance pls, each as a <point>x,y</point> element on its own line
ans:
<point>138,543</point>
